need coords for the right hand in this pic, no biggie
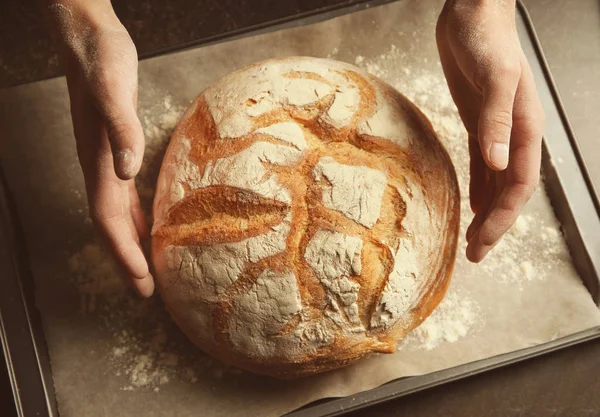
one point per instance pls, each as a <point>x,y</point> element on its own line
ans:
<point>494,90</point>
<point>100,61</point>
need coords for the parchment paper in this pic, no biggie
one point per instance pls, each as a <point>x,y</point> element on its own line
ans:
<point>113,354</point>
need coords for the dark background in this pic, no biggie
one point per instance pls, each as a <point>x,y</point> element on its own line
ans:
<point>565,383</point>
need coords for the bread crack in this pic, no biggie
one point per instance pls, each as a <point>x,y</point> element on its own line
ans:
<point>218,214</point>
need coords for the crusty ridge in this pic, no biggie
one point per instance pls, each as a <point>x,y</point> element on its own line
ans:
<point>225,214</point>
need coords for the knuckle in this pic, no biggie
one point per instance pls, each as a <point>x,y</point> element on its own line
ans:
<point>473,11</point>
<point>535,184</point>
<point>534,116</point>
<point>118,127</point>
<point>540,117</point>
<point>491,230</point>
<point>110,79</point>
<point>508,69</point>
<point>509,207</point>
<point>530,131</point>
<point>527,189</point>
<point>537,120</point>
<point>113,73</point>
<point>501,117</point>
<point>102,218</point>
<point>487,239</point>
<point>500,74</point>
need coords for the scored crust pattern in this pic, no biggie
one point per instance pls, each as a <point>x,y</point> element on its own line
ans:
<point>305,216</point>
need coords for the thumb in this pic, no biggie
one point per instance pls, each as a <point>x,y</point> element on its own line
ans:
<point>114,88</point>
<point>126,138</point>
<point>496,118</point>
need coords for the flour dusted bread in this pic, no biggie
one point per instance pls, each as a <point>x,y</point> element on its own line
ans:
<point>305,217</point>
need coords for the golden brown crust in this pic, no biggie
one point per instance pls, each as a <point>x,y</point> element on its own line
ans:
<point>221,214</point>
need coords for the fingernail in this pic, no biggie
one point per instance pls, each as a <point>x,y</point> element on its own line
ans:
<point>144,287</point>
<point>499,155</point>
<point>125,163</point>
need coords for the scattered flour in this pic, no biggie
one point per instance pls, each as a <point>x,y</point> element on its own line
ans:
<point>145,347</point>
<point>526,252</point>
<point>527,270</point>
<point>454,318</point>
<point>333,54</point>
<point>158,120</point>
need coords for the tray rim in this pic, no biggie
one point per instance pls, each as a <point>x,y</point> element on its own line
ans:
<point>13,255</point>
<point>379,394</point>
<point>387,392</point>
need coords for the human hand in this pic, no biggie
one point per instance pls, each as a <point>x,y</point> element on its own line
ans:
<point>492,85</point>
<point>100,62</point>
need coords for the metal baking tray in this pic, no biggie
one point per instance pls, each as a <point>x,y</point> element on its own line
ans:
<point>568,185</point>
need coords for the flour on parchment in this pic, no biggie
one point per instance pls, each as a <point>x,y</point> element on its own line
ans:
<point>146,349</point>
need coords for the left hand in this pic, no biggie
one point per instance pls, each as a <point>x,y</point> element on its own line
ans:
<point>100,62</point>
<point>492,85</point>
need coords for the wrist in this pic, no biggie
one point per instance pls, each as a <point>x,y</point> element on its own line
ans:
<point>77,26</point>
<point>484,3</point>
<point>79,6</point>
<point>480,10</point>
<point>76,18</point>
<point>507,6</point>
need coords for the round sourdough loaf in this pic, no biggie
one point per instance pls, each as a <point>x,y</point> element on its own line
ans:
<point>305,216</point>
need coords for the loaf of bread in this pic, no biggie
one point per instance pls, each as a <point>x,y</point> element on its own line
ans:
<point>305,216</point>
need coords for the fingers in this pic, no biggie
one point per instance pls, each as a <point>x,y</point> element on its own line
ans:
<point>144,287</point>
<point>112,215</point>
<point>502,216</point>
<point>128,252</point>
<point>112,204</point>
<point>496,117</point>
<point>487,197</point>
<point>137,214</point>
<point>121,237</point>
<point>478,174</point>
<point>111,212</point>
<point>522,175</point>
<point>125,132</point>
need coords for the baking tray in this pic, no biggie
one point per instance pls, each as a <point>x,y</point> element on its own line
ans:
<point>568,185</point>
